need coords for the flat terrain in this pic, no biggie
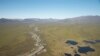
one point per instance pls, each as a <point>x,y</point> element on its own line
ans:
<point>55,36</point>
<point>14,39</point>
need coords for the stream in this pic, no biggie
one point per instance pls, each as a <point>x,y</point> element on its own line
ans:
<point>39,47</point>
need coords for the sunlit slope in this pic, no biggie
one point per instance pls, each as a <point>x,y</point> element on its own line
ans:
<point>14,39</point>
<point>55,35</point>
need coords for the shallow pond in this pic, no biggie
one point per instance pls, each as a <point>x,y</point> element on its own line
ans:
<point>85,49</point>
<point>71,42</point>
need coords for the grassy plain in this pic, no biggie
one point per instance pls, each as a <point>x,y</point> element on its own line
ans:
<point>14,39</point>
<point>55,36</point>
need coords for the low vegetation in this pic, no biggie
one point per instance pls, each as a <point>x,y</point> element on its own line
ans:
<point>15,40</point>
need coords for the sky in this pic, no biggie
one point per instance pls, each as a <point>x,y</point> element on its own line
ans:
<point>58,9</point>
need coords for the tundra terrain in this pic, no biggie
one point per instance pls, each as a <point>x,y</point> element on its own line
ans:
<point>50,37</point>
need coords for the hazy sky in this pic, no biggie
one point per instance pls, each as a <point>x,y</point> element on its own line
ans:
<point>48,8</point>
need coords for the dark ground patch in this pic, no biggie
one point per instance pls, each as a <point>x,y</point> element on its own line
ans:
<point>67,54</point>
<point>92,41</point>
<point>89,41</point>
<point>98,41</point>
<point>77,55</point>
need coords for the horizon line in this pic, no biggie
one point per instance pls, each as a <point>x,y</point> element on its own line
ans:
<point>46,18</point>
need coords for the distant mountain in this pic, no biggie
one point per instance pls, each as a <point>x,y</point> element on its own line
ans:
<point>81,20</point>
<point>6,20</point>
<point>38,20</point>
<point>84,19</point>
